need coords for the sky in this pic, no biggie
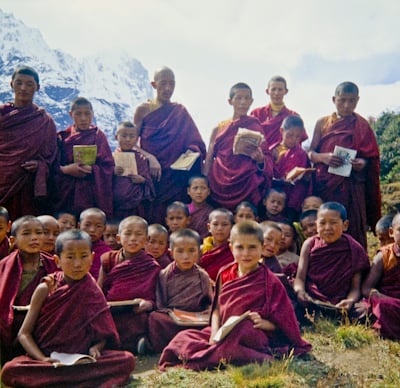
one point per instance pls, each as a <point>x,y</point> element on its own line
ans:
<point>213,44</point>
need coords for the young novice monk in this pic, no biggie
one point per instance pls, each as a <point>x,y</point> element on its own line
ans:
<point>127,274</point>
<point>80,186</point>
<point>93,222</point>
<point>20,273</point>
<point>182,285</point>
<point>285,255</point>
<point>177,216</point>
<point>332,263</point>
<point>275,203</point>
<point>110,234</point>
<point>130,189</point>
<point>51,230</point>
<point>272,237</point>
<point>237,177</point>
<point>66,221</point>
<point>382,230</point>
<point>245,211</point>
<point>216,251</point>
<point>199,209</point>
<point>157,244</point>
<point>5,225</point>
<point>69,314</point>
<point>271,328</point>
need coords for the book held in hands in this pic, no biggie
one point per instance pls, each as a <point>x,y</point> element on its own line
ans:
<point>229,325</point>
<point>126,160</point>
<point>186,161</point>
<point>85,154</point>
<point>189,318</point>
<point>243,138</point>
<point>347,155</point>
<point>297,173</point>
<point>68,359</point>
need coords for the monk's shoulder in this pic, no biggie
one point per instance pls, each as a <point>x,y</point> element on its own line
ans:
<point>143,110</point>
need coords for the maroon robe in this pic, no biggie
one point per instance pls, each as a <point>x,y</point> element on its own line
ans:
<point>4,248</point>
<point>331,268</point>
<point>128,196</point>
<point>271,125</point>
<point>166,133</point>
<point>11,269</point>
<point>164,260</point>
<point>259,291</point>
<point>360,191</point>
<point>27,133</point>
<point>295,194</point>
<point>236,178</point>
<point>99,248</point>
<point>56,331</point>
<point>188,291</point>
<point>129,279</point>
<point>94,190</point>
<point>199,218</point>
<point>212,261</point>
<point>272,263</point>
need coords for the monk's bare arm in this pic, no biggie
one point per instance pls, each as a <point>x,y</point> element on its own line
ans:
<point>210,151</point>
<point>100,279</point>
<point>300,281</point>
<point>355,293</point>
<point>374,275</point>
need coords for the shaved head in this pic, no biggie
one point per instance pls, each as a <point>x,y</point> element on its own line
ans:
<point>163,71</point>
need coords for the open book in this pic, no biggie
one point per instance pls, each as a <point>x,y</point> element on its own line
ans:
<point>189,318</point>
<point>185,162</point>
<point>68,359</point>
<point>347,154</point>
<point>21,308</point>
<point>229,324</point>
<point>243,138</point>
<point>297,173</point>
<point>85,154</point>
<point>126,160</point>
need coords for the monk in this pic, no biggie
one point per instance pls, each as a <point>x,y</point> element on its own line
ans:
<point>182,285</point>
<point>20,273</point>
<point>167,131</point>
<point>69,314</point>
<point>269,330</point>
<point>157,244</point>
<point>243,176</point>
<point>28,148</point>
<point>272,115</point>
<point>5,225</point>
<point>361,190</point>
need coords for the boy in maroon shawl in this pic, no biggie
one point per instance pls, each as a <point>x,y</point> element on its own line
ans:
<point>361,190</point>
<point>20,273</point>
<point>157,244</point>
<point>215,249</point>
<point>382,286</point>
<point>332,263</point>
<point>182,285</point>
<point>199,209</point>
<point>5,225</point>
<point>127,274</point>
<point>237,177</point>
<point>272,115</point>
<point>69,314</point>
<point>28,147</point>
<point>272,236</point>
<point>166,132</point>
<point>78,185</point>
<point>130,188</point>
<point>246,285</point>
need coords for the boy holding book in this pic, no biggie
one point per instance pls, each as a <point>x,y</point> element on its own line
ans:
<point>48,326</point>
<point>270,327</point>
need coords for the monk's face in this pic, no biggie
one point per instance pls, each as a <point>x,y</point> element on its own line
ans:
<point>311,203</point>
<point>186,252</point>
<point>66,221</point>
<point>244,214</point>
<point>75,259</point>
<point>29,237</point>
<point>93,224</point>
<point>51,230</point>
<point>277,91</point>
<point>275,203</point>
<point>287,238</point>
<point>394,231</point>
<point>133,237</point>
<point>330,225</point>
<point>4,228</point>
<point>176,219</point>
<point>127,138</point>
<point>241,102</point>
<point>24,87</point>
<point>164,84</point>
<point>292,137</point>
<point>110,236</point>
<point>82,115</point>
<point>198,190</point>
<point>309,226</point>
<point>156,244</point>
<point>272,240</point>
<point>345,103</point>
<point>246,250</point>
<point>220,228</point>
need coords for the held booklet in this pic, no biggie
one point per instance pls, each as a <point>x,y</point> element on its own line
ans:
<point>68,359</point>
<point>189,318</point>
<point>243,138</point>
<point>185,162</point>
<point>85,154</point>
<point>228,326</point>
<point>347,154</point>
<point>298,173</point>
<point>128,302</point>
<point>126,160</point>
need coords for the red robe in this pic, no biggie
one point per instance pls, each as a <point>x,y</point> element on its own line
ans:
<point>271,125</point>
<point>386,308</point>
<point>166,133</point>
<point>258,291</point>
<point>360,191</point>
<point>4,248</point>
<point>129,279</point>
<point>199,218</point>
<point>236,178</point>
<point>331,268</point>
<point>188,291</point>
<point>92,323</point>
<point>11,269</point>
<point>212,261</point>
<point>99,248</point>
<point>128,196</point>
<point>78,194</point>
<point>164,260</point>
<point>25,134</point>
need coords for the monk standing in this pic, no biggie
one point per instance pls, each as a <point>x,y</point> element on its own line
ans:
<point>166,131</point>
<point>28,147</point>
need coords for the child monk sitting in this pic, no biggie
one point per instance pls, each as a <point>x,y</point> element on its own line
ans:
<point>69,314</point>
<point>272,237</point>
<point>128,274</point>
<point>270,328</point>
<point>182,285</point>
<point>157,244</point>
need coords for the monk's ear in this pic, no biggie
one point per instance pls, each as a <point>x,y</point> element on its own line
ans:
<point>391,231</point>
<point>118,238</point>
<point>57,260</point>
<point>38,87</point>
<point>281,130</point>
<point>9,227</point>
<point>12,240</point>
<point>267,91</point>
<point>230,101</point>
<point>208,226</point>
<point>334,99</point>
<point>153,84</point>
<point>345,225</point>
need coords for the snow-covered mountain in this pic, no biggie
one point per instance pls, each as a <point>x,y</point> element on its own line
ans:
<point>114,82</point>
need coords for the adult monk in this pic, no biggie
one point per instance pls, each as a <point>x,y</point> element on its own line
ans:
<point>28,147</point>
<point>272,115</point>
<point>361,190</point>
<point>166,131</point>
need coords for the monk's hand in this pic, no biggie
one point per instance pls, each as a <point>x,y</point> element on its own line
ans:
<point>137,179</point>
<point>50,360</point>
<point>118,170</point>
<point>143,306</point>
<point>30,165</point>
<point>155,168</point>
<point>361,309</point>
<point>260,323</point>
<point>358,164</point>
<point>329,159</point>
<point>73,169</point>
<point>346,304</point>
<point>258,156</point>
<point>303,298</point>
<point>95,350</point>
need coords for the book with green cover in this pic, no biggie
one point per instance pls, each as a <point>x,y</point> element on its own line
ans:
<point>85,154</point>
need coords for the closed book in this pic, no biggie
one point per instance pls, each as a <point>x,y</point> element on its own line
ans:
<point>85,154</point>
<point>186,161</point>
<point>189,318</point>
